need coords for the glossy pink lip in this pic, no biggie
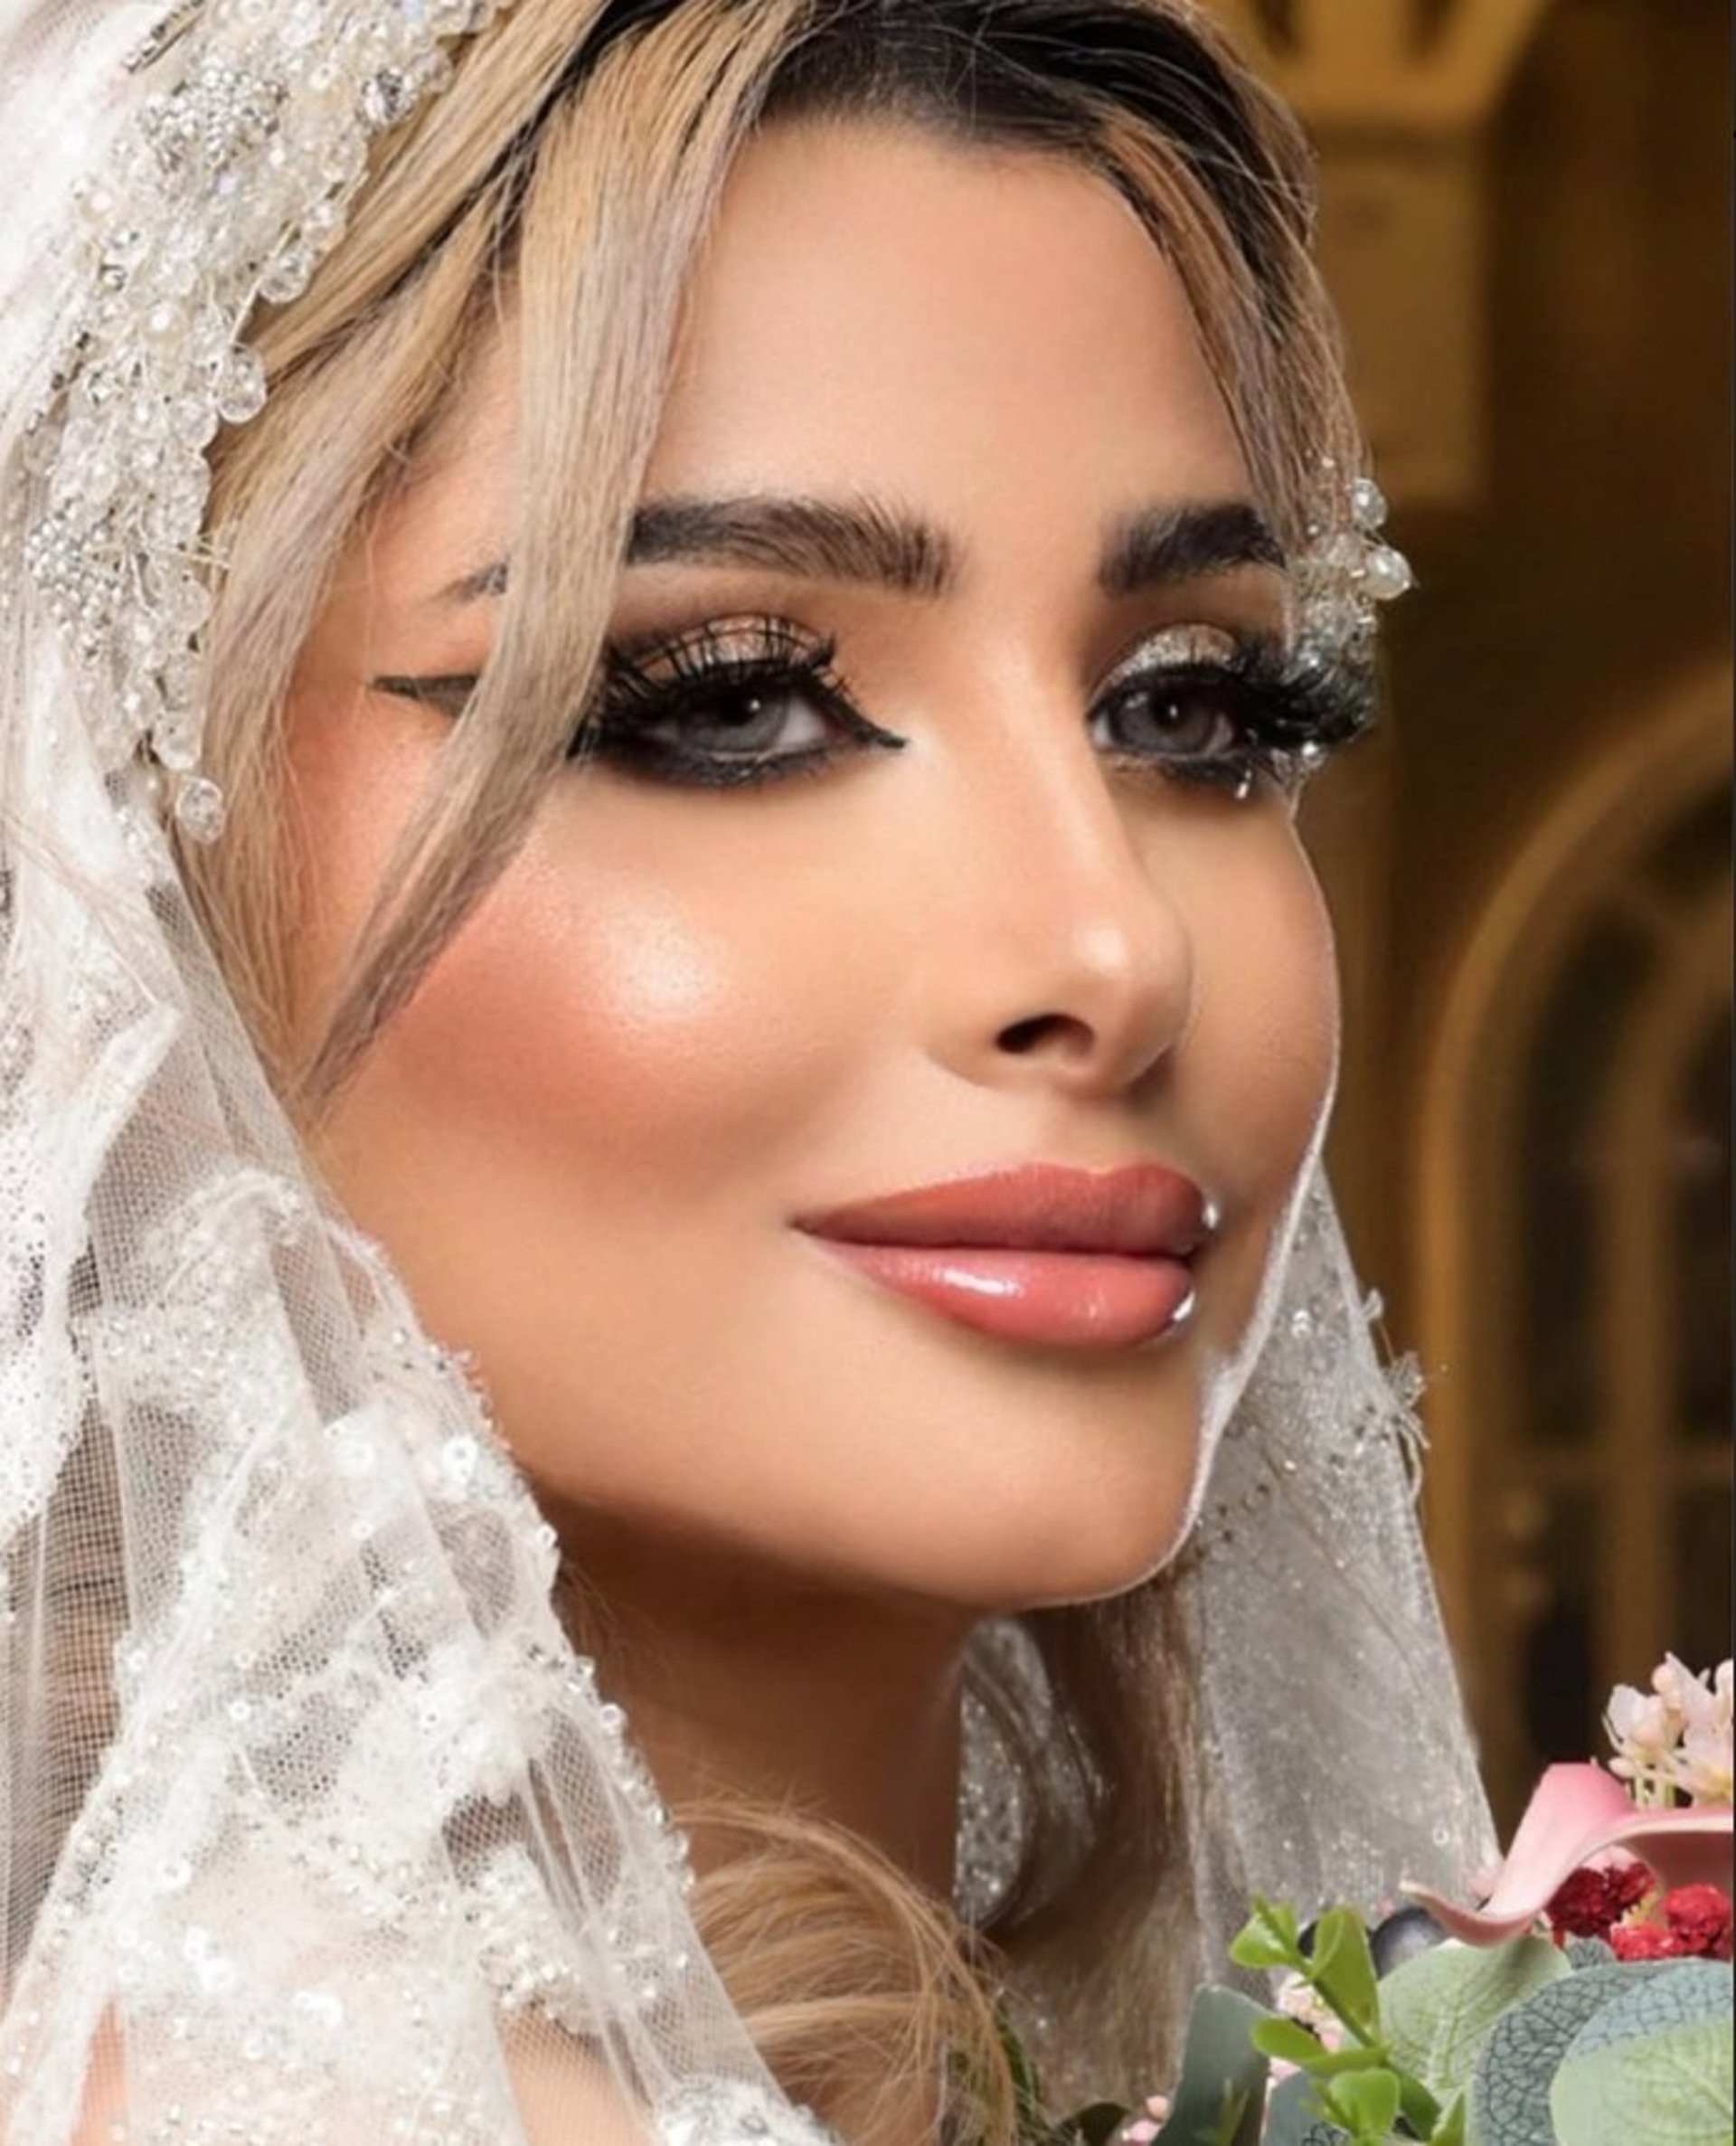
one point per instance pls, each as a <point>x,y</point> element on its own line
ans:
<point>1074,1259</point>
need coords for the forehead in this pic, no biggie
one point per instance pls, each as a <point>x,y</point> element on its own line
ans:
<point>883,305</point>
<point>991,336</point>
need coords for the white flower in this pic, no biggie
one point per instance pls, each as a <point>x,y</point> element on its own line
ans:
<point>1687,1696</point>
<point>1677,1736</point>
<point>1642,1726</point>
<point>1703,1767</point>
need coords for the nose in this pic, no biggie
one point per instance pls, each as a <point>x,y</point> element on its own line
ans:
<point>1066,962</point>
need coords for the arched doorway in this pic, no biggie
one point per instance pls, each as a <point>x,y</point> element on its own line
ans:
<point>1574,1249</point>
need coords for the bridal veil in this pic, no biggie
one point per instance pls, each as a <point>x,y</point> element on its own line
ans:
<point>314,1829</point>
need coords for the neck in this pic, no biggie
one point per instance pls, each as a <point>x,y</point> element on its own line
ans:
<point>748,1688</point>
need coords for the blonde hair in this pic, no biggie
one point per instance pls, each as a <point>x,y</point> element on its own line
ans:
<point>568,175</point>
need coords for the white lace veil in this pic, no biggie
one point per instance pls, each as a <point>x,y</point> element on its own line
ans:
<point>313,1830</point>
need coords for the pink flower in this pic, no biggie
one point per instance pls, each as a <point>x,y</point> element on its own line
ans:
<point>1575,1816</point>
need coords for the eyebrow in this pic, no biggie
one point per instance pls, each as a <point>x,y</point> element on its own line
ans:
<point>1185,543</point>
<point>865,540</point>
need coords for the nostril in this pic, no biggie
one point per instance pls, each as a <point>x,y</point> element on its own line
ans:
<point>1023,1037</point>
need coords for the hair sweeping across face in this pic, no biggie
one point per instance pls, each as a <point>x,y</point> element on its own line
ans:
<point>566,180</point>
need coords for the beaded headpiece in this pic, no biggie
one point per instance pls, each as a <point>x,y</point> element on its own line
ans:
<point>271,121</point>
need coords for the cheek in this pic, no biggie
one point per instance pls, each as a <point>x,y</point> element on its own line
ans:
<point>626,1013</point>
<point>1264,1054</point>
<point>1255,1085</point>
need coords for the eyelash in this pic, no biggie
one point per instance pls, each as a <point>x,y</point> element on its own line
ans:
<point>671,684</point>
<point>1286,717</point>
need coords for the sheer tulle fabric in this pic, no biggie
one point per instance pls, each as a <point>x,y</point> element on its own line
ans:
<point>314,1829</point>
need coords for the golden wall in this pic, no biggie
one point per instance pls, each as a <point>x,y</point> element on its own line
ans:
<point>1531,868</point>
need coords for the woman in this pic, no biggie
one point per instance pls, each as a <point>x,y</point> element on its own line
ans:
<point>879,1208</point>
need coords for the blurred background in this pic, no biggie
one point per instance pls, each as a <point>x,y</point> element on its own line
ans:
<point>1526,223</point>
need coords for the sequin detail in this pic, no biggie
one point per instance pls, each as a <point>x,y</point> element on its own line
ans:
<point>225,188</point>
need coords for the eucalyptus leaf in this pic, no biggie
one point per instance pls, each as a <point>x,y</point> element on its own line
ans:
<point>1438,2009</point>
<point>1516,2068</point>
<point>1656,2064</point>
<point>1681,1994</point>
<point>1221,2092</point>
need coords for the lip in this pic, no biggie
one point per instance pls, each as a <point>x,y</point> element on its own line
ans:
<point>1044,1254</point>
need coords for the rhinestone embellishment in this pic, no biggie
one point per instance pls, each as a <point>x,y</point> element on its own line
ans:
<point>1344,571</point>
<point>224,188</point>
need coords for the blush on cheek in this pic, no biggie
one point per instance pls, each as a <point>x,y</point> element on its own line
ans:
<point>1262,1062</point>
<point>608,1026</point>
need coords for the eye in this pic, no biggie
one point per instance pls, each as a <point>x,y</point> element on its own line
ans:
<point>1184,702</point>
<point>743,718</point>
<point>738,701</point>
<point>1177,718</point>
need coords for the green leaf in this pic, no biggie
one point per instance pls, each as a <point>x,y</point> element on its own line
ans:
<point>1342,1969</point>
<point>1361,2058</point>
<point>1218,2097</point>
<point>1417,2105</point>
<point>1367,2102</point>
<point>1518,2062</point>
<point>1439,2007</point>
<point>1294,2116</point>
<point>1270,1938</point>
<point>1289,2042</point>
<point>1653,2065</point>
<point>1450,2130</point>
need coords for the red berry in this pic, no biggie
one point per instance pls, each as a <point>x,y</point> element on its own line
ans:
<point>1699,1921</point>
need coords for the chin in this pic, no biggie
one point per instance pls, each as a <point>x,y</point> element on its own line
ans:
<point>1079,1529</point>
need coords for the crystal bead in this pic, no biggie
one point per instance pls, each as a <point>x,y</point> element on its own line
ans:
<point>386,98</point>
<point>289,275</point>
<point>345,160</point>
<point>193,423</point>
<point>1367,503</point>
<point>175,740</point>
<point>199,809</point>
<point>188,605</point>
<point>241,388</point>
<point>1386,572</point>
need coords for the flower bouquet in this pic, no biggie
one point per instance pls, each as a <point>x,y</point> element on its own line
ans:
<point>1586,2000</point>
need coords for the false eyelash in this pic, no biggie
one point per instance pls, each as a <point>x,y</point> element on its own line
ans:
<point>1290,713</point>
<point>1294,703</point>
<point>721,652</point>
<point>660,682</point>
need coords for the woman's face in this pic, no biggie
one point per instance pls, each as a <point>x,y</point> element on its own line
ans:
<point>1006,928</point>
